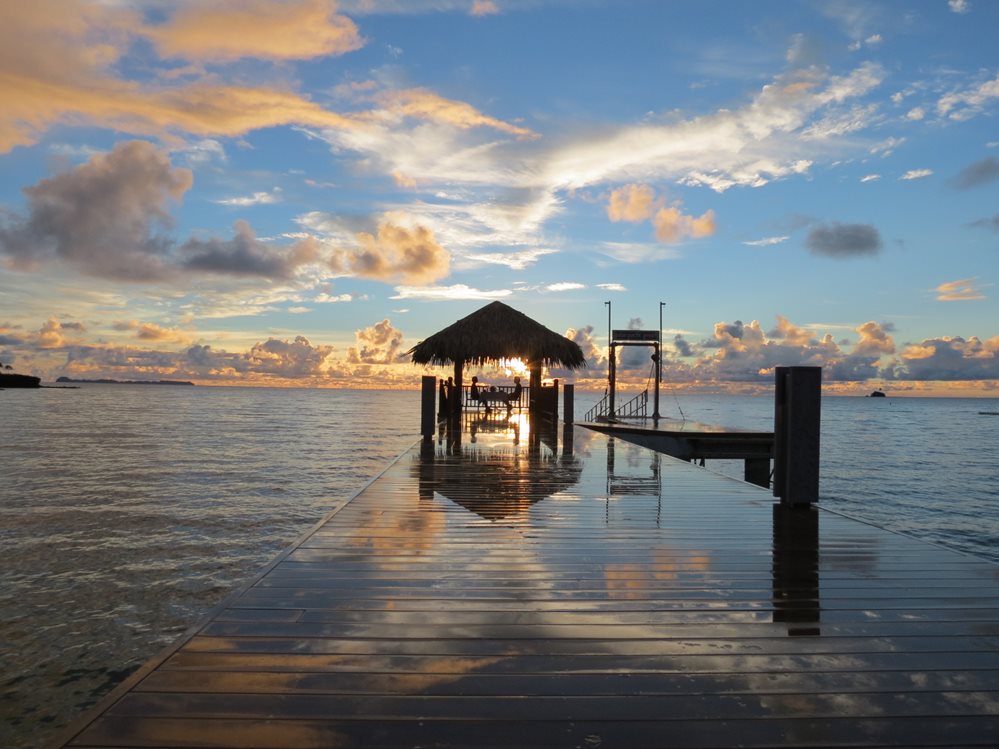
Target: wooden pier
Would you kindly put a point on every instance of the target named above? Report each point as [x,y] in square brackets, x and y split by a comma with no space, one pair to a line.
[573,590]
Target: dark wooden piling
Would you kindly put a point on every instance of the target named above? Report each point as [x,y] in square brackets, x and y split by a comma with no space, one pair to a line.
[797,417]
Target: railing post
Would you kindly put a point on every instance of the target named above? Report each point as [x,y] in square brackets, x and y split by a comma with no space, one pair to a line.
[568,398]
[427,420]
[797,416]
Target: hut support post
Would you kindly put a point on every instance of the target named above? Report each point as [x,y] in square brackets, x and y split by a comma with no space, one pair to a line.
[535,391]
[459,367]
[797,410]
[568,398]
[427,420]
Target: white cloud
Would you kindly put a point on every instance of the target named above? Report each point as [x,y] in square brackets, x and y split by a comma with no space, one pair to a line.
[513,260]
[916,174]
[766,241]
[634,252]
[564,286]
[611,287]
[257,198]
[457,291]
[959,6]
[870,178]
[962,105]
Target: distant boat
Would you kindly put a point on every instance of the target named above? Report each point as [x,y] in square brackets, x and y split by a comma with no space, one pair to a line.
[988,413]
[877,394]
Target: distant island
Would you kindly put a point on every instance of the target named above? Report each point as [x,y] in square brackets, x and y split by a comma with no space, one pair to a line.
[19,381]
[877,394]
[127,382]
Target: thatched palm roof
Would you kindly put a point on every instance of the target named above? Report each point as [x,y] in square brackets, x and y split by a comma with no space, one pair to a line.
[498,332]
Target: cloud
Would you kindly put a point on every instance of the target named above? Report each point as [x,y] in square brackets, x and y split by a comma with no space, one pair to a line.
[870,178]
[988,223]
[748,145]
[963,105]
[379,344]
[844,240]
[484,8]
[245,255]
[50,335]
[564,286]
[102,216]
[673,226]
[424,104]
[397,253]
[950,359]
[60,57]
[147,331]
[766,241]
[959,6]
[874,340]
[743,352]
[295,359]
[916,174]
[964,290]
[227,30]
[977,174]
[611,287]
[682,347]
[257,198]
[631,203]
[457,291]
[633,252]
[513,260]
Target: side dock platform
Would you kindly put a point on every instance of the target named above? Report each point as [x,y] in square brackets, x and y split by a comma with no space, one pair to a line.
[528,589]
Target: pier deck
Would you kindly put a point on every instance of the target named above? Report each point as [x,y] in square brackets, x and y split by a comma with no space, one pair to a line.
[579,593]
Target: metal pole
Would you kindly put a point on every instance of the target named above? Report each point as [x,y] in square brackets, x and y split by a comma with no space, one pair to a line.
[610,361]
[659,363]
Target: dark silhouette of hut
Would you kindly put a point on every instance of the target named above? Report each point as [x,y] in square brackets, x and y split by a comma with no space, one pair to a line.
[493,333]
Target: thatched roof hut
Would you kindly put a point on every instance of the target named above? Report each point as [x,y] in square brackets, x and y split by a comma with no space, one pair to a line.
[498,332]
[494,333]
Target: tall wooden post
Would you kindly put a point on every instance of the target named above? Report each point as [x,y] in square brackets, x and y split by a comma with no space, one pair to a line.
[797,417]
[459,368]
[427,420]
[568,404]
[535,388]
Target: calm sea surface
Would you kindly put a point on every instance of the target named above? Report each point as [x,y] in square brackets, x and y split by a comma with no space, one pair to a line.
[128,512]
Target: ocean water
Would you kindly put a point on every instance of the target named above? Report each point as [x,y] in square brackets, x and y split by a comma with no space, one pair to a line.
[128,512]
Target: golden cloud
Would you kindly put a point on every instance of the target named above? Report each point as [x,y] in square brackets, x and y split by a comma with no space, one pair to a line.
[484,8]
[673,226]
[631,203]
[263,29]
[423,104]
[396,253]
[964,290]
[56,60]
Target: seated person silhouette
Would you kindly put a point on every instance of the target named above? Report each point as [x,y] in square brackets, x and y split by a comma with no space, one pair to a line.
[514,397]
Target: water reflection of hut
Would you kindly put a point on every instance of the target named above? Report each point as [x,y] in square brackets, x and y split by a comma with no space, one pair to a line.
[496,483]
[495,333]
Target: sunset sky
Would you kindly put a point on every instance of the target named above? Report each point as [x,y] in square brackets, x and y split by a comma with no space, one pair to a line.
[296,193]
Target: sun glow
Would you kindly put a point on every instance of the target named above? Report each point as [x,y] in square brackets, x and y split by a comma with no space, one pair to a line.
[513,367]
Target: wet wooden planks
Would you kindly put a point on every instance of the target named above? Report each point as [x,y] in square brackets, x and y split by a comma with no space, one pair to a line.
[581,593]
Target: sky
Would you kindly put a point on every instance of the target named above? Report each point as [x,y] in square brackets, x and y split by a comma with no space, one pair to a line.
[257,192]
